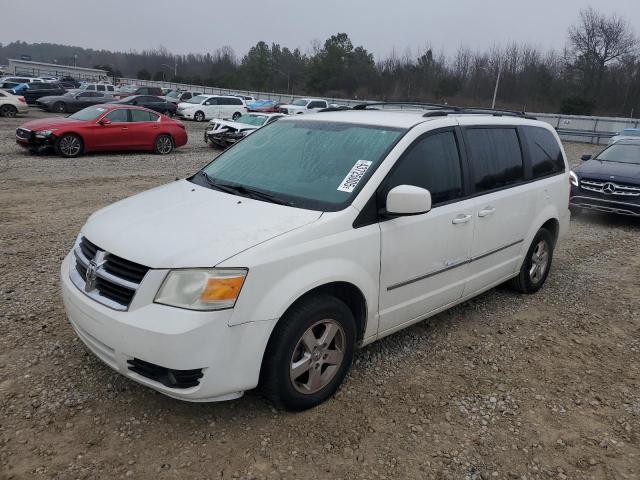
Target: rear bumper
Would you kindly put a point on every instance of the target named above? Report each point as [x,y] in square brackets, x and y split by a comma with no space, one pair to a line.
[607,205]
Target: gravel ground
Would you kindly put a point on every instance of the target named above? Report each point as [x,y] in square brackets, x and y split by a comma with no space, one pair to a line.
[502,387]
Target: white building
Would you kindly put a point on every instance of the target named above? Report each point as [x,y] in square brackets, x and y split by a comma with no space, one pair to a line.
[40,69]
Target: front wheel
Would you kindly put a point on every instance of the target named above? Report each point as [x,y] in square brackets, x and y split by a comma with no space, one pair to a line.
[199,117]
[59,107]
[309,353]
[69,145]
[536,265]
[8,111]
[163,145]
[236,116]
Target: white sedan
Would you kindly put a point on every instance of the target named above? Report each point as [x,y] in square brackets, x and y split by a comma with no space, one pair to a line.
[11,105]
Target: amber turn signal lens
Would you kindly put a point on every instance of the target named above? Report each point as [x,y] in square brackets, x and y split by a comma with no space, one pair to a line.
[221,289]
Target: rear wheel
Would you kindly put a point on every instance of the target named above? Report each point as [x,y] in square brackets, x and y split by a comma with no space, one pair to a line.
[8,111]
[536,265]
[163,145]
[199,117]
[69,145]
[59,107]
[309,353]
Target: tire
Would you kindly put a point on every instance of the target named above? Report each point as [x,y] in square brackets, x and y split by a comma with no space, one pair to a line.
[8,111]
[236,116]
[540,256]
[163,145]
[198,116]
[59,107]
[69,145]
[296,340]
[168,113]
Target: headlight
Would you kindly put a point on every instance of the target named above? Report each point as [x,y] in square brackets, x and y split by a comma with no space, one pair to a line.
[573,178]
[201,289]
[44,133]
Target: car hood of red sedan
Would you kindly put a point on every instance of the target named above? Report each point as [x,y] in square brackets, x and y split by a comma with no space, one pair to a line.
[47,123]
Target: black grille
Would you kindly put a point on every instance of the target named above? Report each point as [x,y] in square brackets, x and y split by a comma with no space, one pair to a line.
[116,266]
[122,268]
[166,376]
[23,133]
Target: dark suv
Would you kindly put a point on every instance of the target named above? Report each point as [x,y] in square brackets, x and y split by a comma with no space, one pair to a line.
[130,90]
[36,90]
[610,182]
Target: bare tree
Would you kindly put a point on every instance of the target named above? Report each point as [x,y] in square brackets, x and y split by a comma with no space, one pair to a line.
[597,41]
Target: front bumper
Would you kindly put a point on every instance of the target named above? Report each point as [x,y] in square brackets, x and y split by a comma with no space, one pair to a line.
[223,140]
[35,144]
[229,356]
[605,203]
[185,114]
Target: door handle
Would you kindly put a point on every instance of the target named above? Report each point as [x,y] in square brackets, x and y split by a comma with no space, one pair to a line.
[486,212]
[125,128]
[462,218]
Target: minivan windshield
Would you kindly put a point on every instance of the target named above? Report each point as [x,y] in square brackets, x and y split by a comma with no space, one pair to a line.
[621,153]
[312,164]
[300,103]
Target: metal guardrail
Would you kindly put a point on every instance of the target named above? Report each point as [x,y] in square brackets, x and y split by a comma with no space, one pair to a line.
[594,137]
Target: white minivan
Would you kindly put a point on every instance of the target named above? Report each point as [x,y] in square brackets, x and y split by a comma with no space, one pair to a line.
[206,107]
[313,236]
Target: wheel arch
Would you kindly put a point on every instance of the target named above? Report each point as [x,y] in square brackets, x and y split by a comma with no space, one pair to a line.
[77,134]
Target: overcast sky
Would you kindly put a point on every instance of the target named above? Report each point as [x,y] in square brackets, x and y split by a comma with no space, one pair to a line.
[380,25]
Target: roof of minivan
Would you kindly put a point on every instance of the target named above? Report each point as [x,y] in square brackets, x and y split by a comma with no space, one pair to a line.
[406,118]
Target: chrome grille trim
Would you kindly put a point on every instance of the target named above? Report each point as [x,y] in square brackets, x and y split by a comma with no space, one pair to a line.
[598,186]
[102,291]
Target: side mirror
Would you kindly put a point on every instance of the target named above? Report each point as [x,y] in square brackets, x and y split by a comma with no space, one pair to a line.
[408,200]
[586,157]
[104,121]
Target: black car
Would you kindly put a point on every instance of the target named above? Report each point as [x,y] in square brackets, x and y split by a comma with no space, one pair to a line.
[73,102]
[36,90]
[610,182]
[151,102]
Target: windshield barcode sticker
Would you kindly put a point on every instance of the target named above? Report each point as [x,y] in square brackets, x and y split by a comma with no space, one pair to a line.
[354,176]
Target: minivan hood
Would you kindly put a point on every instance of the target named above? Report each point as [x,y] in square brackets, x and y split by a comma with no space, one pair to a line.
[182,225]
[598,169]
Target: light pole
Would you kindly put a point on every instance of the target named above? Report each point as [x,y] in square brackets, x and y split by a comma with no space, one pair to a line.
[175,68]
[75,59]
[495,92]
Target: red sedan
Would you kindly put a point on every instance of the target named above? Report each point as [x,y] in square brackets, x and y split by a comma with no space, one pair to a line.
[107,127]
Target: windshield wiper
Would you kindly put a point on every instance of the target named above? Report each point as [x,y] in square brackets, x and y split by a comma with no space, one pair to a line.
[243,190]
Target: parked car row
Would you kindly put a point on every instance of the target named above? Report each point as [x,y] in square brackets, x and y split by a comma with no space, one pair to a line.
[108,127]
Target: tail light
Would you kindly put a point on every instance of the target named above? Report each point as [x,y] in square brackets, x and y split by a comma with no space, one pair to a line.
[21,99]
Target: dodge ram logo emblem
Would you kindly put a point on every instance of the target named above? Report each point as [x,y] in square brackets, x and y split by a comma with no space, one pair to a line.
[92,271]
[609,188]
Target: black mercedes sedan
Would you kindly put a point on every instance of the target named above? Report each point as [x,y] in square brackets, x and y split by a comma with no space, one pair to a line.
[151,102]
[72,102]
[610,182]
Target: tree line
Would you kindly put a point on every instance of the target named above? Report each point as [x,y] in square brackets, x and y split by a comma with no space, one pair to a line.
[597,72]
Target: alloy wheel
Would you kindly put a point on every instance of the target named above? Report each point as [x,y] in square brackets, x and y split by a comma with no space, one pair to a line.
[164,145]
[317,356]
[70,146]
[539,261]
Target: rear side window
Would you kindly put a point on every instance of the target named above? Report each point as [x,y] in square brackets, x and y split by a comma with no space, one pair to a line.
[496,157]
[143,116]
[433,162]
[101,88]
[546,155]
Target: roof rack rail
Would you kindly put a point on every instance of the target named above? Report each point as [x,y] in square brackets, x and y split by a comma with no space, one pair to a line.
[440,110]
[365,106]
